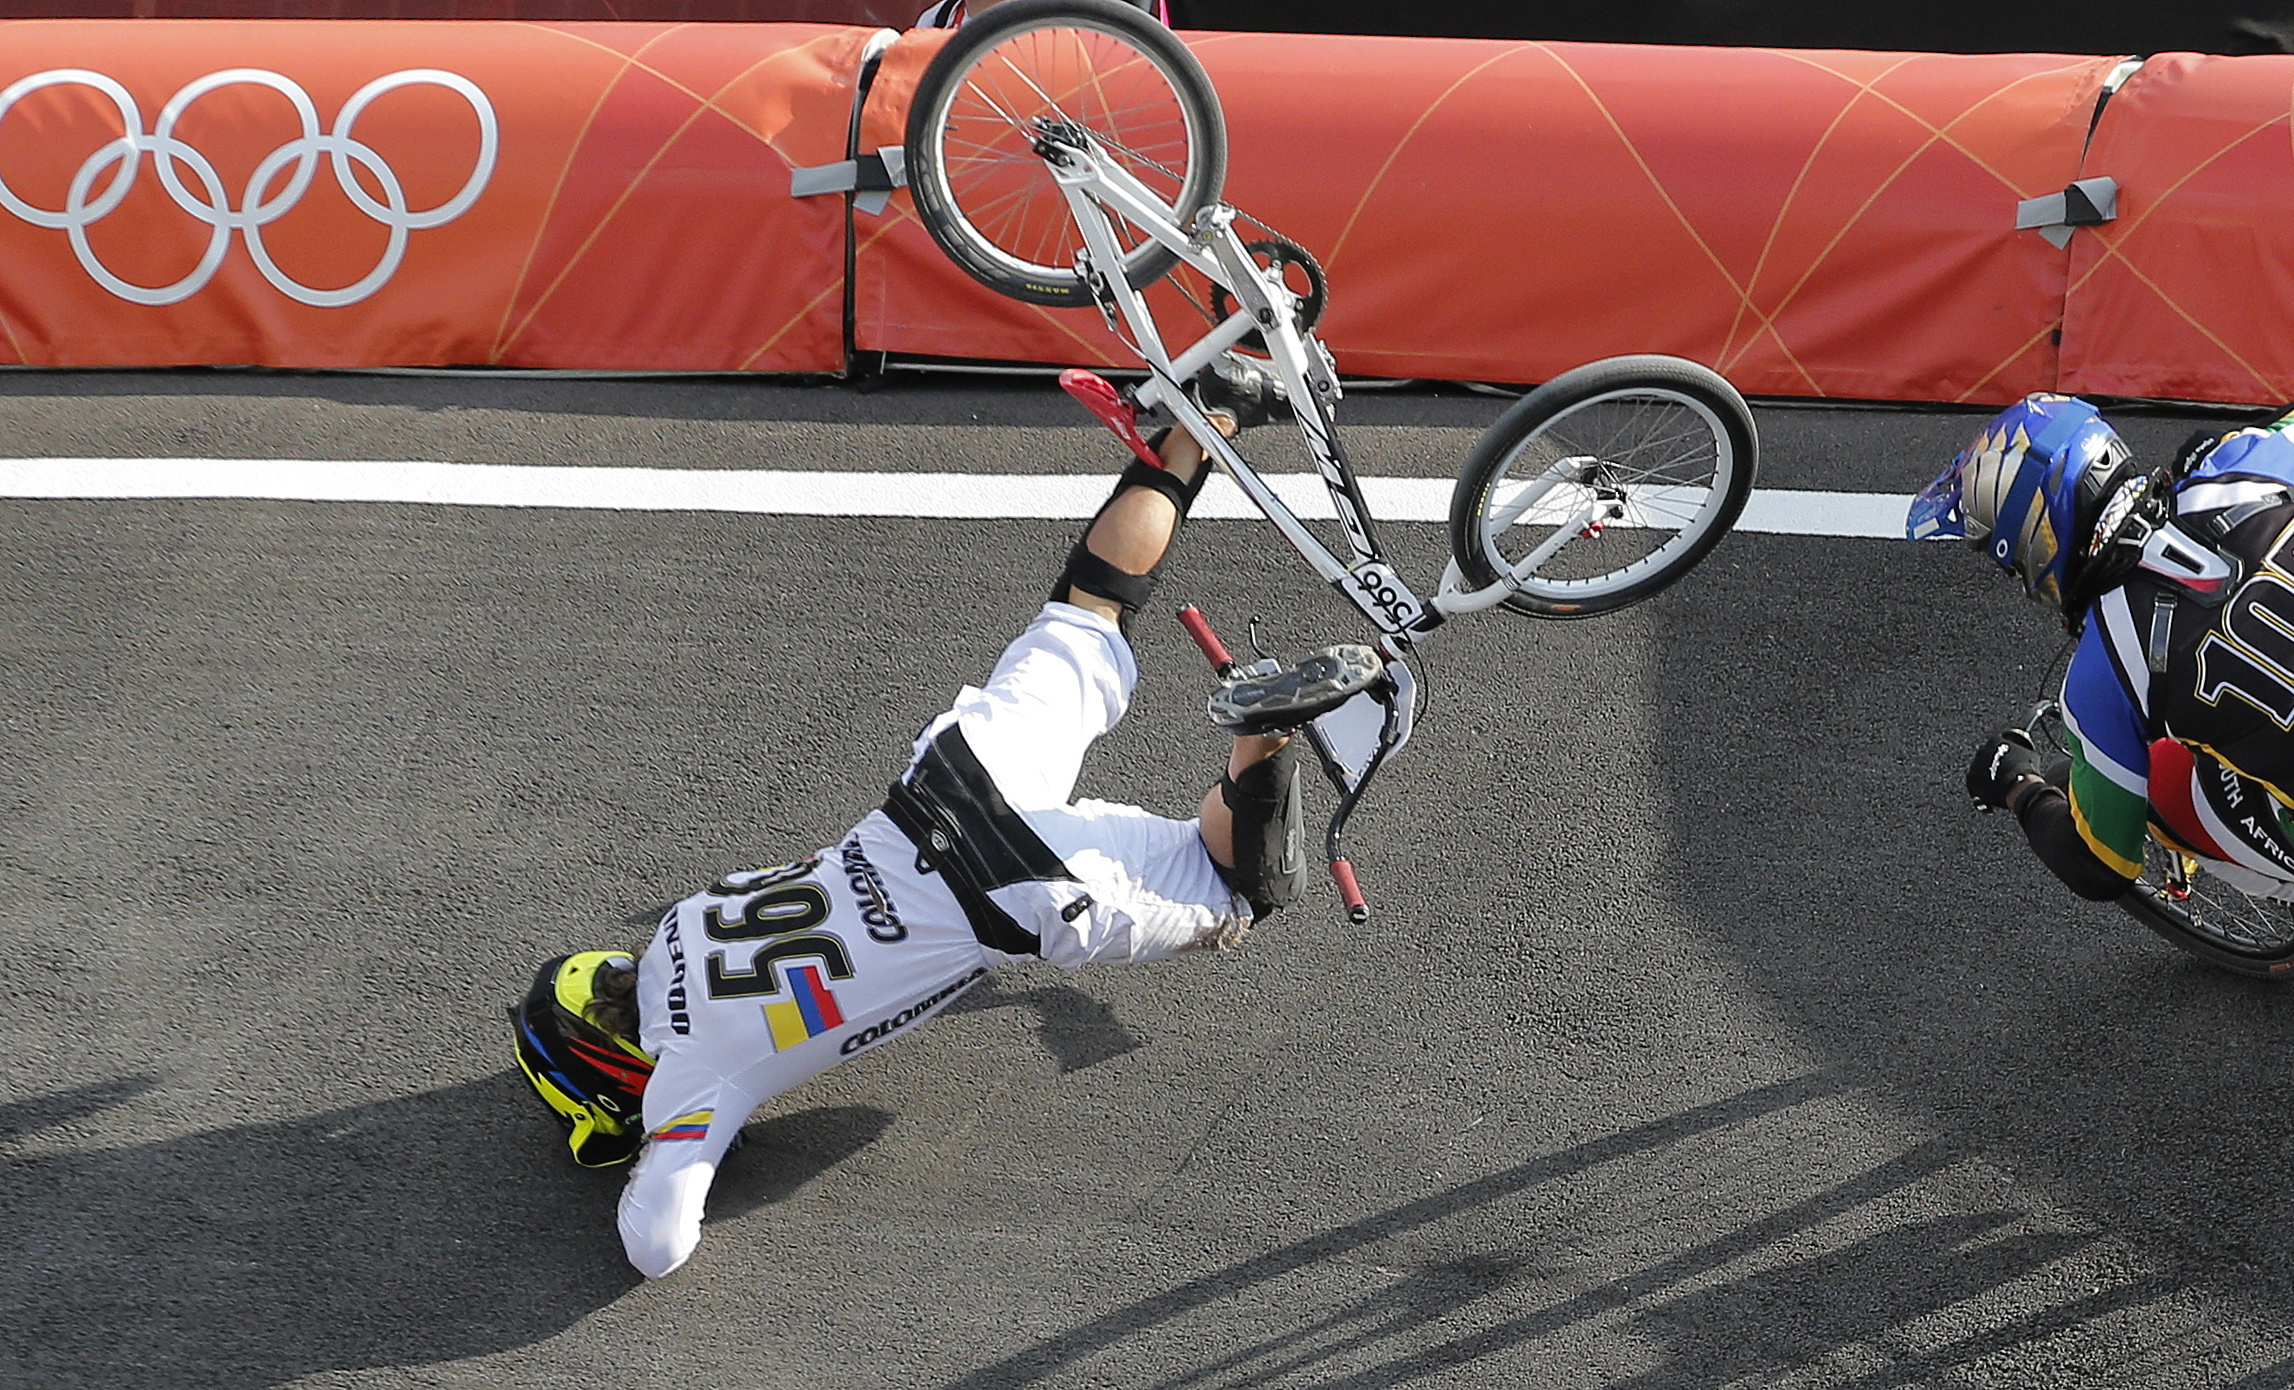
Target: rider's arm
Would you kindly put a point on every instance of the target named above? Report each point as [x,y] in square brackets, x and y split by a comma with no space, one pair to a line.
[690,1122]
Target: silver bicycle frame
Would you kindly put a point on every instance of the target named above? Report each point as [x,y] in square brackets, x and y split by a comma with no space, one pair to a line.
[1093,187]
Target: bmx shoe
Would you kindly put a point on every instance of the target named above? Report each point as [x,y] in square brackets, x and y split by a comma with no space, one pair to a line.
[1284,699]
[1243,388]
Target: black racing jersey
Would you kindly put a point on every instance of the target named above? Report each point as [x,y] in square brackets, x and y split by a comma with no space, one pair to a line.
[2180,708]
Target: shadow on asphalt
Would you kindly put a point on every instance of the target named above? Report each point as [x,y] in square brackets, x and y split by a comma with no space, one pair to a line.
[1076,1029]
[2055,1040]
[1773,1320]
[254,1255]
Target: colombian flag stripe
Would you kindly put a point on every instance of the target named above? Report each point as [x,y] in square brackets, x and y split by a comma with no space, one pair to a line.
[809,1012]
[692,1126]
[787,1022]
[807,991]
[820,1011]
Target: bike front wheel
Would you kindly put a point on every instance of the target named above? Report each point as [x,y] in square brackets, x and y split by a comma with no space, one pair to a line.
[2199,912]
[1658,451]
[1029,74]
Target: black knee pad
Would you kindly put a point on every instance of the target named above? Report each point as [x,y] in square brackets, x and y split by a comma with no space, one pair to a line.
[1270,831]
[1138,473]
[1100,579]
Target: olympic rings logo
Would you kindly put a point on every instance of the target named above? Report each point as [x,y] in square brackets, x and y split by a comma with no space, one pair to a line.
[258,204]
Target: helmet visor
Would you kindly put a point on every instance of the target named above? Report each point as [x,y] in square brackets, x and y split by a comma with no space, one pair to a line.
[1935,514]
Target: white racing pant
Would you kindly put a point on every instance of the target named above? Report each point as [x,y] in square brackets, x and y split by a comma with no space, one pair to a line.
[1150,884]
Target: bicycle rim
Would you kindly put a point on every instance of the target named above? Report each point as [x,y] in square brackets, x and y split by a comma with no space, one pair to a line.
[988,197]
[2210,919]
[1665,454]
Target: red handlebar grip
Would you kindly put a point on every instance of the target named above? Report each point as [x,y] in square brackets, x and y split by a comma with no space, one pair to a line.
[1199,628]
[1350,892]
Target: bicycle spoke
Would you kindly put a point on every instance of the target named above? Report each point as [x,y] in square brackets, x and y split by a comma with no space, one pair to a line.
[1010,118]
[1076,78]
[1651,456]
[1030,83]
[1003,218]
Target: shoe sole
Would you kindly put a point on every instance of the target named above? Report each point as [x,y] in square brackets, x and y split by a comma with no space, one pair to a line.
[1314,697]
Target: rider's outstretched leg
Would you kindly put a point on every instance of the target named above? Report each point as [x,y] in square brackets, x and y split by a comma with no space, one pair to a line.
[1254,823]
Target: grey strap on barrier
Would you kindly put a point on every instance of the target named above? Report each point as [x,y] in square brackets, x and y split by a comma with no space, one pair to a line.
[872,176]
[2085,203]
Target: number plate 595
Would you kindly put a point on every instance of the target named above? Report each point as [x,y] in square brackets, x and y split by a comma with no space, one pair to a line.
[1380,592]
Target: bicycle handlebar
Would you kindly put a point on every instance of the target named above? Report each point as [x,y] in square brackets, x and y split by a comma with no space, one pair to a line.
[1350,892]
[1199,628]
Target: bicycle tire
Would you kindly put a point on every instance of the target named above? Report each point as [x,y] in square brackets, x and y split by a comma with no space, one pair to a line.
[1608,413]
[983,192]
[2228,929]
[2196,911]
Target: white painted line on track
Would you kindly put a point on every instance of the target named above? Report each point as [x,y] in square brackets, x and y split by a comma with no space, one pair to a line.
[788,493]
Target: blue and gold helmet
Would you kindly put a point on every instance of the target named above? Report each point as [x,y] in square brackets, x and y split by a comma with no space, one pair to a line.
[591,1079]
[2048,491]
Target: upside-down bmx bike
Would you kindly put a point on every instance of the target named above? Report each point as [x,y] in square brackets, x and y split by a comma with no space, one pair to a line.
[1071,153]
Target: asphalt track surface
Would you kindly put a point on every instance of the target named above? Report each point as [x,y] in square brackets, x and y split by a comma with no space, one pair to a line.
[1703,1036]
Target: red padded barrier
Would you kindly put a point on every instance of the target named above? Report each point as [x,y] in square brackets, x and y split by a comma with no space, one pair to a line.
[1811,223]
[636,213]
[896,13]
[2188,293]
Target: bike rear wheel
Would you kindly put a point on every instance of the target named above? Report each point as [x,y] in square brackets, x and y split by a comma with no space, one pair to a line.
[1071,70]
[2213,921]
[2176,897]
[1669,442]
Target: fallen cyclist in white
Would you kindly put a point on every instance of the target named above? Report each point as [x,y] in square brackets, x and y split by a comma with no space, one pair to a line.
[978,857]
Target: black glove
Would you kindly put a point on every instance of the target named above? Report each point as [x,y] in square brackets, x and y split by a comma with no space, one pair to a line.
[2194,451]
[1999,764]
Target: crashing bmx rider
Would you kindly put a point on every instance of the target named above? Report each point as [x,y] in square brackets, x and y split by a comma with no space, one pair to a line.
[978,857]
[2179,583]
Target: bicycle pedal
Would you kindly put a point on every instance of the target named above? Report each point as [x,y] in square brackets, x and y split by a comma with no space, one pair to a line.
[1113,408]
